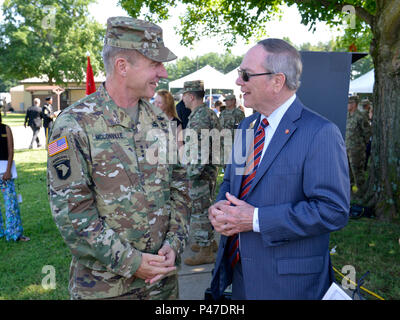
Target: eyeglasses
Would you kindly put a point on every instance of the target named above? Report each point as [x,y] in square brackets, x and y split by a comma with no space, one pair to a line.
[246,76]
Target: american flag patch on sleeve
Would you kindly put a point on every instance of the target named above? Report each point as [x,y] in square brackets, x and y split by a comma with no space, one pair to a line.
[57,146]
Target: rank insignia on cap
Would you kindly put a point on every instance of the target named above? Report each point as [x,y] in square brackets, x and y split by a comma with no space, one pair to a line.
[57,146]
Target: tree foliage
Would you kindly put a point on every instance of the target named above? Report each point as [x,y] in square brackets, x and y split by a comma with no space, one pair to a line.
[48,37]
[231,19]
[6,85]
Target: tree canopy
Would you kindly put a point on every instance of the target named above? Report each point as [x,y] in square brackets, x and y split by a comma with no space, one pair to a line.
[244,18]
[48,37]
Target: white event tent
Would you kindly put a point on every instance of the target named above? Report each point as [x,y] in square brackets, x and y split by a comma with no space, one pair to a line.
[213,79]
[363,84]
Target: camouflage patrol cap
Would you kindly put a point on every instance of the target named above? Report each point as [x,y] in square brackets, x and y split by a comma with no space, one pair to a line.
[143,36]
[230,97]
[365,102]
[196,85]
[353,99]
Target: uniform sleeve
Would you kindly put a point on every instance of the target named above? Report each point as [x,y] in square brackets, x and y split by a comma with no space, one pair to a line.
[180,209]
[221,119]
[241,116]
[193,146]
[366,129]
[73,204]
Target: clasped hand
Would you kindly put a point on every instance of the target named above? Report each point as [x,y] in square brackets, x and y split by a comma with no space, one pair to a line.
[231,216]
[155,267]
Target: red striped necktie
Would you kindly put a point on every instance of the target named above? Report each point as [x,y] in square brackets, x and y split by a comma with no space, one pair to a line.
[252,162]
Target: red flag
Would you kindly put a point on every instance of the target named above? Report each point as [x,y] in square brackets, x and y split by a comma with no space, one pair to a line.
[353,48]
[90,86]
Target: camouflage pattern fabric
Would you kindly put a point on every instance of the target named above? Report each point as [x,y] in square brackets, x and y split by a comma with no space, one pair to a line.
[109,203]
[193,86]
[143,36]
[230,119]
[358,133]
[202,176]
[166,289]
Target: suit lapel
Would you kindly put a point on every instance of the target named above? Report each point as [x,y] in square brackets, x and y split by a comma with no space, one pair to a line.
[281,136]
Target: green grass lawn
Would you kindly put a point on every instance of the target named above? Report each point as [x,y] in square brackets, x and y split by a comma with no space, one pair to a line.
[21,263]
[366,244]
[13,119]
[373,246]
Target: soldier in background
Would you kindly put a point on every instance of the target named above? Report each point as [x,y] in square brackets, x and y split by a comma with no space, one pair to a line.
[202,173]
[231,116]
[124,217]
[48,116]
[358,133]
[367,108]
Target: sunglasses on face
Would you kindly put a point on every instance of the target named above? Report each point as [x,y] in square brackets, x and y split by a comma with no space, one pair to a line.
[246,76]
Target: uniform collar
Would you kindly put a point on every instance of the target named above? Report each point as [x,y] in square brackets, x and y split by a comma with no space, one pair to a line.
[197,109]
[114,115]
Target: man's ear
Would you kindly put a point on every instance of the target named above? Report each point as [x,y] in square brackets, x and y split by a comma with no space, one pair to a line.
[278,82]
[120,66]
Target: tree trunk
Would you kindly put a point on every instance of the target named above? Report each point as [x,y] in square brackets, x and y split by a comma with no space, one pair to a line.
[384,172]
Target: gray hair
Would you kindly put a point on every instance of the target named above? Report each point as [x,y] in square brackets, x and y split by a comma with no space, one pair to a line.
[110,54]
[283,58]
[36,102]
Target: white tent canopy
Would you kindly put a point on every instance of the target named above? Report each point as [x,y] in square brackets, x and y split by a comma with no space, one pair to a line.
[213,79]
[231,78]
[363,84]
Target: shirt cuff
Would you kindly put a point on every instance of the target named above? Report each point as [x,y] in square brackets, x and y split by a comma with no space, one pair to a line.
[256,224]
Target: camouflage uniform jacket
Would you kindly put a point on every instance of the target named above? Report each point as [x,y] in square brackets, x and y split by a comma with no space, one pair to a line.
[108,202]
[230,119]
[203,118]
[358,131]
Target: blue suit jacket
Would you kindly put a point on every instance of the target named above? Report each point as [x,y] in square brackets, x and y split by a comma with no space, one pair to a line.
[302,190]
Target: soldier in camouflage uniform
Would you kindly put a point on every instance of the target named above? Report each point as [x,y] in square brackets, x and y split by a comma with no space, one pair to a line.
[231,116]
[124,218]
[202,173]
[358,133]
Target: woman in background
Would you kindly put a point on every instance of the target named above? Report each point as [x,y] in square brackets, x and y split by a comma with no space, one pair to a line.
[13,230]
[165,101]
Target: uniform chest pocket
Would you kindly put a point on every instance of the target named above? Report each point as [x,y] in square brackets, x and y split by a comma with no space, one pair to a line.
[153,167]
[112,170]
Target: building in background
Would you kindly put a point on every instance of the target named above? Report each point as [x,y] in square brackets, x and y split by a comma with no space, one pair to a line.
[23,94]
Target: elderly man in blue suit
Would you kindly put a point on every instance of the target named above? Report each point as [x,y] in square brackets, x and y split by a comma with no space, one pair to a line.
[276,208]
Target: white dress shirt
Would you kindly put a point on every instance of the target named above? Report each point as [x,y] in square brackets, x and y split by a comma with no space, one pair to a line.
[274,119]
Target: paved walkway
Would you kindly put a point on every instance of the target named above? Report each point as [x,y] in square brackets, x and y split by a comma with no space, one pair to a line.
[23,136]
[193,280]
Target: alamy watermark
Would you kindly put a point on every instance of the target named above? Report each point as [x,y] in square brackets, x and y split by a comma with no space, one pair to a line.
[199,147]
[49,21]
[49,280]
[350,18]
[349,281]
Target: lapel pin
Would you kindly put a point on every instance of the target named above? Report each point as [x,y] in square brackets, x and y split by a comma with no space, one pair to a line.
[287,131]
